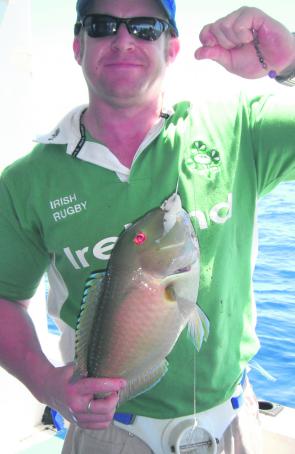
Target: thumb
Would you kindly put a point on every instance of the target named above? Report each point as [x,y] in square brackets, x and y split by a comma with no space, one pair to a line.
[69,372]
[72,373]
[215,53]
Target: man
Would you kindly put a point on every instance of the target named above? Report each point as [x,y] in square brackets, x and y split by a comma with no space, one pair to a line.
[63,206]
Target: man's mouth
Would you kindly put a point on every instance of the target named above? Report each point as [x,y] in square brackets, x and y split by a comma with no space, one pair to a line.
[124,64]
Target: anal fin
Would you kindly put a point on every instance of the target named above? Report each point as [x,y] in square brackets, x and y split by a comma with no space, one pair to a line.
[144,382]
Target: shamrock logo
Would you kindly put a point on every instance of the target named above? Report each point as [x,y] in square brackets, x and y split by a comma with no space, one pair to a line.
[204,159]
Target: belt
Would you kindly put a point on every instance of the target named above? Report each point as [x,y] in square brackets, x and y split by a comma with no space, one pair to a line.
[161,434]
[236,402]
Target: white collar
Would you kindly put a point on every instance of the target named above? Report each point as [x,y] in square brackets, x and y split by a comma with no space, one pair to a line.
[68,132]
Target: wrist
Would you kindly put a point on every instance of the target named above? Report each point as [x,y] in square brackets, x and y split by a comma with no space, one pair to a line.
[35,377]
[287,75]
[287,78]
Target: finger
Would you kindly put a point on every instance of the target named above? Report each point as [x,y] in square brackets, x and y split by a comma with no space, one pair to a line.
[242,34]
[83,392]
[236,34]
[91,386]
[221,32]
[102,413]
[103,406]
[247,18]
[217,53]
[86,418]
[206,37]
[222,36]
[95,426]
[88,405]
[235,28]
[88,421]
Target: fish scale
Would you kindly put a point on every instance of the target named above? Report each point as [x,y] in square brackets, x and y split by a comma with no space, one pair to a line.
[139,342]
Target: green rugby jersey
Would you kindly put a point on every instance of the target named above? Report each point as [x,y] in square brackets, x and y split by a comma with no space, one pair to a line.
[64,205]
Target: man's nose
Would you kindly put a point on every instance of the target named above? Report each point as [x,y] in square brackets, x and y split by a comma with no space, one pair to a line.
[122,40]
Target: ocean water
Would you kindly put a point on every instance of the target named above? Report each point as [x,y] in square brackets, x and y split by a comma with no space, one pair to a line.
[274,285]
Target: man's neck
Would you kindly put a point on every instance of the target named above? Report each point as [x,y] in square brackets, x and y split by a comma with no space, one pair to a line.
[122,130]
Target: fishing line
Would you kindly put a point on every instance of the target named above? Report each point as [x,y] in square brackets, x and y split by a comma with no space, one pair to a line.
[180,160]
[191,432]
[195,425]
[195,394]
[177,183]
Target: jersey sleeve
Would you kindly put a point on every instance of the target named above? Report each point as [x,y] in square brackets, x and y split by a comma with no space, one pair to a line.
[23,257]
[273,128]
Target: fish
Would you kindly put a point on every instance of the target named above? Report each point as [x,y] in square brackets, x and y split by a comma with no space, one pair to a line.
[133,313]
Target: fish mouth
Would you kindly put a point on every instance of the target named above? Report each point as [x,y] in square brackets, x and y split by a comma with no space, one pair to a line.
[184,269]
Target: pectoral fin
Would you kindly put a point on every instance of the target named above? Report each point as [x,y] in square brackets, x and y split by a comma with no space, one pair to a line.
[198,327]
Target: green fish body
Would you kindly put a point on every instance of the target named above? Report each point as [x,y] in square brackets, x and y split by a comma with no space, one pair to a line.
[132,315]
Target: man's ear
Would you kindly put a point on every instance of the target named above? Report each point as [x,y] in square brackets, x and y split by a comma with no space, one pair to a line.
[77,48]
[173,49]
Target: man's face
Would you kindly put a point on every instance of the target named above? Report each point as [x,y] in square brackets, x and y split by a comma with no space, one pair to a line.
[122,69]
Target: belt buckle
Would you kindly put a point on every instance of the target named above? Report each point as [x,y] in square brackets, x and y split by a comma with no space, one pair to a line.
[188,437]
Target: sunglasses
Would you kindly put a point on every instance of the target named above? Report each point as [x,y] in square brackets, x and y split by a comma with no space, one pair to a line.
[147,28]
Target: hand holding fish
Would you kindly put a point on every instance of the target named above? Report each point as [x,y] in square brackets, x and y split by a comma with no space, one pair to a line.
[229,42]
[74,400]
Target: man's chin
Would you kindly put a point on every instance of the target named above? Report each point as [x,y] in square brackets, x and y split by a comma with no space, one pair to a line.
[126,102]
[127,96]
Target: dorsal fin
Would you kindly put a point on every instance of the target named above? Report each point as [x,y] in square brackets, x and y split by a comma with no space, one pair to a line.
[92,291]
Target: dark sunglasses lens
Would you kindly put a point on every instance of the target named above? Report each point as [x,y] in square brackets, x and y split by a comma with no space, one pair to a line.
[148,29]
[98,27]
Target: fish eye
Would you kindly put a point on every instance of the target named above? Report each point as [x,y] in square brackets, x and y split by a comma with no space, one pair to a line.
[140,238]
